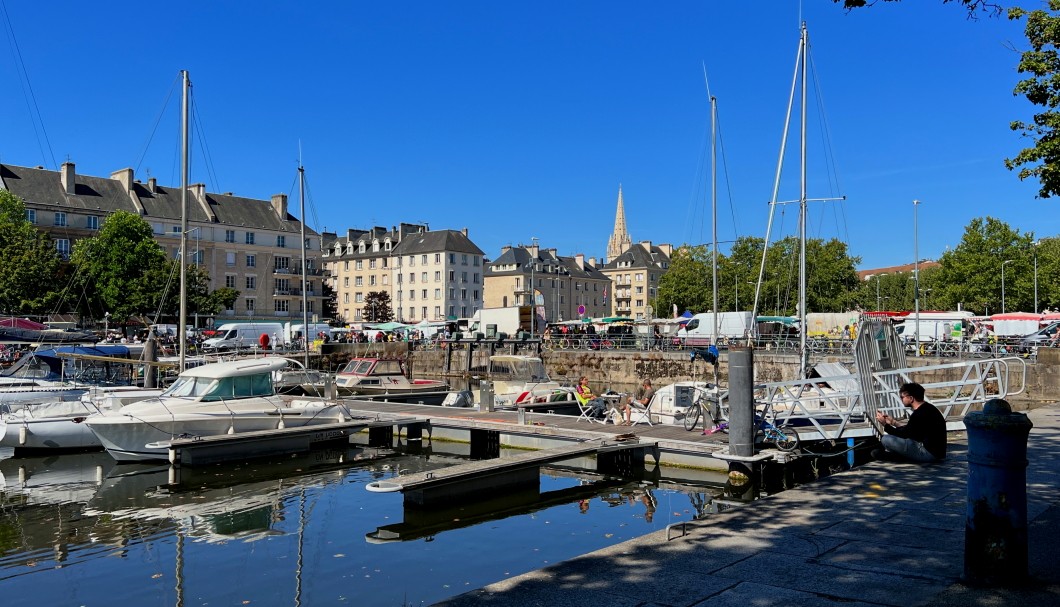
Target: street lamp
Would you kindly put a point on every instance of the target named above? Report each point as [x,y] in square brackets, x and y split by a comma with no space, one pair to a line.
[916,276]
[1003,264]
[533,304]
[1036,243]
[877,292]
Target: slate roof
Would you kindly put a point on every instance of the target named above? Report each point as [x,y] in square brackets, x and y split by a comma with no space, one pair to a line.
[450,241]
[41,186]
[567,266]
[637,256]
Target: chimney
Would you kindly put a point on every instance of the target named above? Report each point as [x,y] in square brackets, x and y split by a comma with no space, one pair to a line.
[464,232]
[535,250]
[279,204]
[125,176]
[505,249]
[67,176]
[580,260]
[152,185]
[668,249]
[592,261]
[552,252]
[646,244]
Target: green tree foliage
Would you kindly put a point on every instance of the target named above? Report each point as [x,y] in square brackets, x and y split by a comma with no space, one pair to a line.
[1041,160]
[30,267]
[123,268]
[973,6]
[970,276]
[377,307]
[687,283]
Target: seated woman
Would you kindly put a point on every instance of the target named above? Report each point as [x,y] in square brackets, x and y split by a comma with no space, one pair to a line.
[585,395]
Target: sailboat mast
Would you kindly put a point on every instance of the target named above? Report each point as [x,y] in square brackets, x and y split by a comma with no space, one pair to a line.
[803,350]
[305,283]
[183,323]
[714,205]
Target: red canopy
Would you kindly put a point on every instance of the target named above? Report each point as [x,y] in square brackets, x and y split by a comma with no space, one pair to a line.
[22,323]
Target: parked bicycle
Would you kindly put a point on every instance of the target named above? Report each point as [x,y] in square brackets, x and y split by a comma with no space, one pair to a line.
[784,437]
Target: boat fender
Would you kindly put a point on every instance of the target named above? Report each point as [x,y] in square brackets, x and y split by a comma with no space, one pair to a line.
[383,487]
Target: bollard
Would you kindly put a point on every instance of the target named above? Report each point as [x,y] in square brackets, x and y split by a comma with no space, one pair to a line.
[995,535]
[485,396]
[741,401]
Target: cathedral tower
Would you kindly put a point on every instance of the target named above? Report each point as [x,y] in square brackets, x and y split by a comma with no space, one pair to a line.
[620,240]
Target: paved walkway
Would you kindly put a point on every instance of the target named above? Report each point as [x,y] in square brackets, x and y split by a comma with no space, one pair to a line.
[881,534]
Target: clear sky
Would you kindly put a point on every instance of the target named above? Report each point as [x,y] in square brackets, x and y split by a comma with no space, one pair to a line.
[520,119]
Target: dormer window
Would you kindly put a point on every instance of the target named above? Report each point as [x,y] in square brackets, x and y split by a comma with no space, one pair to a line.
[360,247]
[387,245]
[375,245]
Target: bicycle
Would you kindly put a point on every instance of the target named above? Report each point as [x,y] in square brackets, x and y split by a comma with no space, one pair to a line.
[784,438]
[698,408]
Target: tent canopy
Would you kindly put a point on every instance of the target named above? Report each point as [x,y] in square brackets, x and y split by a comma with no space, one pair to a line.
[387,326]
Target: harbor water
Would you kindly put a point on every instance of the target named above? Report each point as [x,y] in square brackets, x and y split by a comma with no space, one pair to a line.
[81,530]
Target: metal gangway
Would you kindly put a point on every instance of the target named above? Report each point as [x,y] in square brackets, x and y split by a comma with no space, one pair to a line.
[834,403]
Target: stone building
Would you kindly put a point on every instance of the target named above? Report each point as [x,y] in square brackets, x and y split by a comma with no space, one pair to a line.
[247,244]
[432,275]
[568,288]
[635,276]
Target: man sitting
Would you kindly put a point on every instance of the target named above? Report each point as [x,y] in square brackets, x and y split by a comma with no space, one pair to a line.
[641,398]
[922,438]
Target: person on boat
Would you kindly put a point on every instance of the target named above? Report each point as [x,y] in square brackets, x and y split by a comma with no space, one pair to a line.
[640,400]
[585,394]
[922,438]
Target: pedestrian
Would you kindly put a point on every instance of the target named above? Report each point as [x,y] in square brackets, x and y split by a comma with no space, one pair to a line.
[640,400]
[922,438]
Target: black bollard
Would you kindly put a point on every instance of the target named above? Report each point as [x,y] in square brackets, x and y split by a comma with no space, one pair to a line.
[743,472]
[995,536]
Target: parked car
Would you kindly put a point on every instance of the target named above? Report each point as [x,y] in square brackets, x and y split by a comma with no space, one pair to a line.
[1045,336]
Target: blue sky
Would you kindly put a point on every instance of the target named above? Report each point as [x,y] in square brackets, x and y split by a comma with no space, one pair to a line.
[520,120]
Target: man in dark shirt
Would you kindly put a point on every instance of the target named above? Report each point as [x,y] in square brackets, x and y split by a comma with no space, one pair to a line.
[923,437]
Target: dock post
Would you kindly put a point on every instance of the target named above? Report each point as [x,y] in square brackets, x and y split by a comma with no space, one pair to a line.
[995,532]
[485,444]
[743,473]
[485,396]
[151,371]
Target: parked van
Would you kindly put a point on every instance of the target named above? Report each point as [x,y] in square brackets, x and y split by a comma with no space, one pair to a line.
[236,336]
[934,326]
[291,330]
[700,329]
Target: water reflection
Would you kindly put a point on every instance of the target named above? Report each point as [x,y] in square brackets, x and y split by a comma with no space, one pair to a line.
[74,528]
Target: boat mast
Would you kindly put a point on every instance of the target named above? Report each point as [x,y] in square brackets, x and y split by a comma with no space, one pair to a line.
[183,323]
[714,209]
[803,351]
[305,296]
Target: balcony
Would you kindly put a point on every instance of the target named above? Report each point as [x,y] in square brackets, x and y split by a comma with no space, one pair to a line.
[281,270]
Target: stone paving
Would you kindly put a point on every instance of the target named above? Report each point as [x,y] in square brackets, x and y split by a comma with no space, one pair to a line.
[880,534]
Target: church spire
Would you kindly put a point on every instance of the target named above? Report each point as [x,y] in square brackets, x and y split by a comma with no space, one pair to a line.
[620,240]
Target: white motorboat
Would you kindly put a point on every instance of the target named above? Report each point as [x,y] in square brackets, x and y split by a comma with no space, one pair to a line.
[370,376]
[62,373]
[58,425]
[213,399]
[519,379]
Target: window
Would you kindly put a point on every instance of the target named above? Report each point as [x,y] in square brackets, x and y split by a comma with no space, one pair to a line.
[640,277]
[375,246]
[412,313]
[437,277]
[283,263]
[282,305]
[230,281]
[176,229]
[252,282]
[345,266]
[463,310]
[371,280]
[437,311]
[92,222]
[423,295]
[452,259]
[463,293]
[437,258]
[463,277]
[358,281]
[250,240]
[358,297]
[423,259]
[356,314]
[452,293]
[412,278]
[386,263]
[60,219]
[281,241]
[452,276]
[230,235]
[437,293]
[230,260]
[359,264]
[423,277]
[360,247]
[640,290]
[386,279]
[31,215]
[345,298]
[63,246]
[371,264]
[249,304]
[475,295]
[475,279]
[423,312]
[412,295]
[412,261]
[252,261]
[463,260]
[475,259]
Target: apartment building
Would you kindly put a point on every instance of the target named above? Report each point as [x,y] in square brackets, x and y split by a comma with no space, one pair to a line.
[251,245]
[635,276]
[429,275]
[567,288]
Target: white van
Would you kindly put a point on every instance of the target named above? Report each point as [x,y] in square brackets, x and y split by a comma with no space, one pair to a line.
[315,329]
[700,329]
[235,336]
[934,326]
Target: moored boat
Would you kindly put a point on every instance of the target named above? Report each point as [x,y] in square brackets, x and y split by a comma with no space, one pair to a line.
[370,376]
[209,400]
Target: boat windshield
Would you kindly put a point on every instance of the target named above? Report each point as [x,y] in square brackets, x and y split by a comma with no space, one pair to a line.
[225,388]
[535,370]
[387,367]
[357,367]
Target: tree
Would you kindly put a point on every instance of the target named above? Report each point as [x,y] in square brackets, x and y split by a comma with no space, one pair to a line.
[377,307]
[122,267]
[1041,160]
[970,276]
[687,283]
[30,271]
[973,6]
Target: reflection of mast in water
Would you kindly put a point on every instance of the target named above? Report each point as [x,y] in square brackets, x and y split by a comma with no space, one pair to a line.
[180,566]
[298,566]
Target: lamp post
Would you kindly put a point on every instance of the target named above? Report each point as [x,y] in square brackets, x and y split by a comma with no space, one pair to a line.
[533,304]
[877,292]
[1036,243]
[1003,264]
[916,276]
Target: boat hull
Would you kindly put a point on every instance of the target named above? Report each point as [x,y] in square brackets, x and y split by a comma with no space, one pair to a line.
[146,438]
[48,434]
